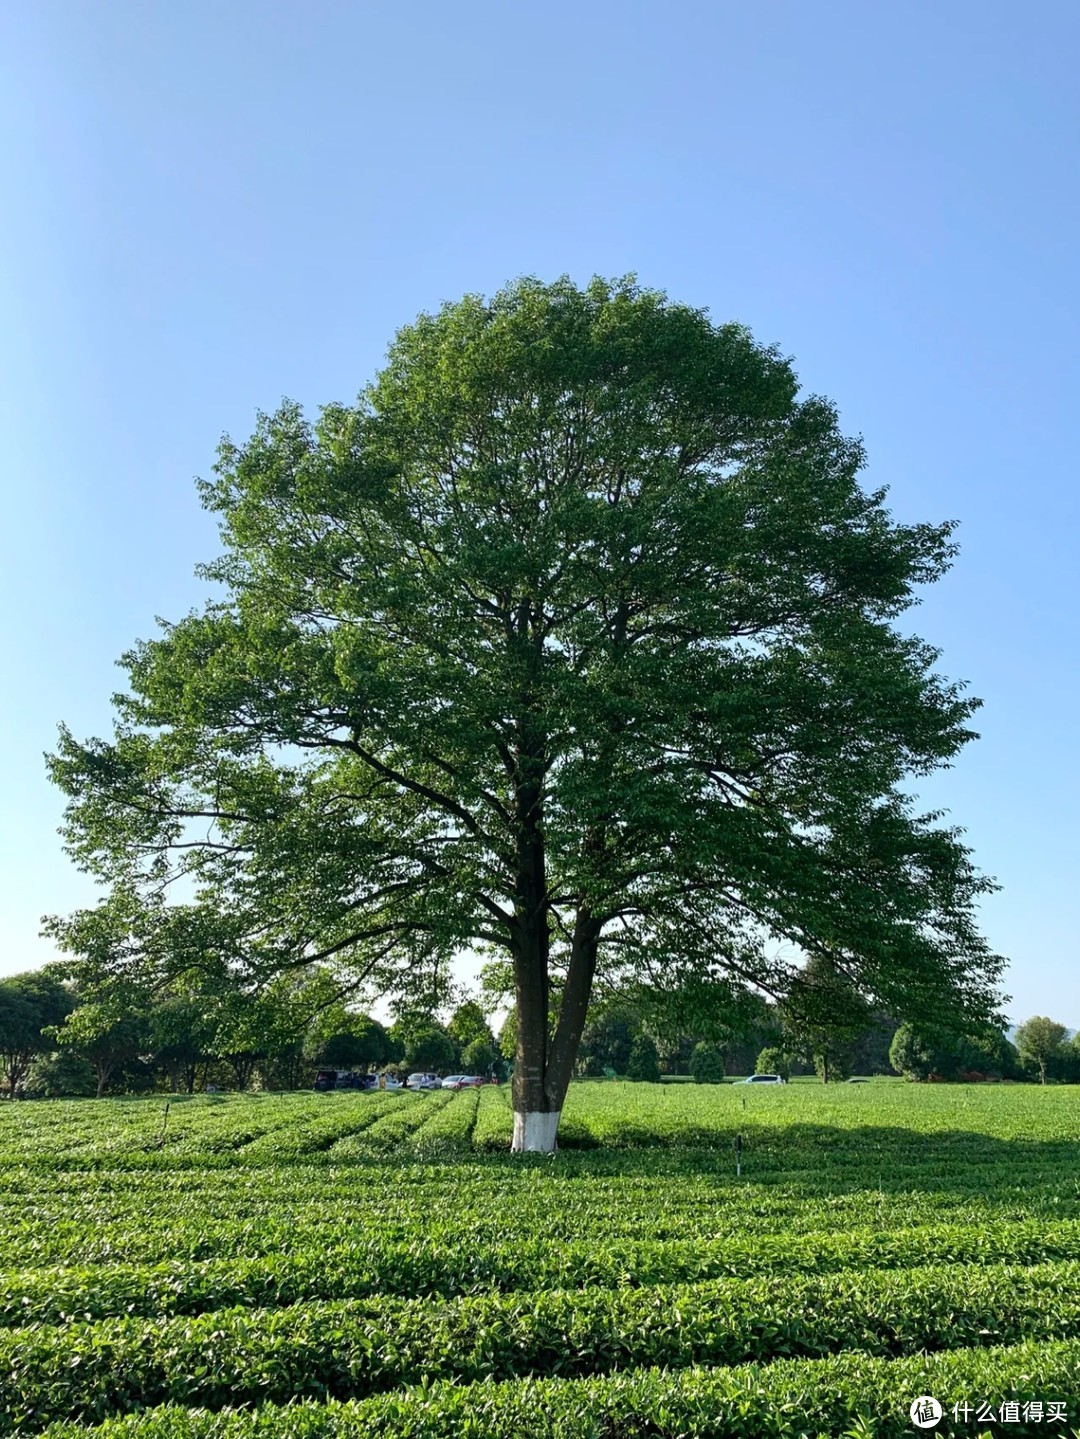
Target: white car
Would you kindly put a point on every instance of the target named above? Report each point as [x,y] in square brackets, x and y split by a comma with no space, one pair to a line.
[454,1081]
[423,1081]
[763,1079]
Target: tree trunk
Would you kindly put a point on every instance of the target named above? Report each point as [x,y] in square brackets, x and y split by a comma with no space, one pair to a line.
[18,1068]
[103,1069]
[544,1061]
[544,1066]
[535,1122]
[537,1101]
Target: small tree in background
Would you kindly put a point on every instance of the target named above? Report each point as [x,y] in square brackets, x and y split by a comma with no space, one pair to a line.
[922,1052]
[987,1053]
[644,1061]
[1039,1041]
[426,1044]
[773,1061]
[355,1041]
[608,1038]
[106,1033]
[179,1036]
[29,1005]
[823,1013]
[912,1053]
[468,1024]
[508,1037]
[707,1063]
[479,1057]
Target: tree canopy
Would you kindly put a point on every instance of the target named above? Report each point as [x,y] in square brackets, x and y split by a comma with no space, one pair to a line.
[30,1004]
[1039,1040]
[571,641]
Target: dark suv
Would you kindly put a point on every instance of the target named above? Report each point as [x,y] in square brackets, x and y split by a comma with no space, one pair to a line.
[344,1079]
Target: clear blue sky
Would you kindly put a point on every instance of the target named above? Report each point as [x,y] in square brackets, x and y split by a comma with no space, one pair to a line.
[206,207]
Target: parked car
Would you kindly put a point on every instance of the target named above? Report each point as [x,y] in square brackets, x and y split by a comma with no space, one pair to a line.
[344,1079]
[763,1079]
[473,1081]
[392,1083]
[454,1081]
[423,1081]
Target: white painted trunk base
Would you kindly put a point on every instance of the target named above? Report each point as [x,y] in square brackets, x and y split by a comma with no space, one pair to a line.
[534,1132]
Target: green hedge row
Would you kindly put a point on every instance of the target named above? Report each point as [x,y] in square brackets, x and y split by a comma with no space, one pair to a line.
[849,1394]
[255,1210]
[380,1264]
[347,1350]
[149,1217]
[448,1130]
[407,1113]
[318,1133]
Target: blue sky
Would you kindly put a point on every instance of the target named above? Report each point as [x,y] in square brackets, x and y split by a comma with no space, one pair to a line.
[208,207]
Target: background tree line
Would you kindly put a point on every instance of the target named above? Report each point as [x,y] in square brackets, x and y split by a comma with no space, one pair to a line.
[821,1026]
[60,1034]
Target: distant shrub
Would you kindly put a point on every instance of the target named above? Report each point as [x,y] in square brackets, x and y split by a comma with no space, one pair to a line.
[60,1076]
[773,1061]
[644,1061]
[478,1057]
[706,1063]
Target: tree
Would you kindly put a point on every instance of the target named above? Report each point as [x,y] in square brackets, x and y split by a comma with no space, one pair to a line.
[60,1076]
[773,1061]
[571,642]
[871,1047]
[468,1026]
[179,1037]
[479,1057]
[987,1053]
[644,1061]
[608,1038]
[107,1032]
[30,1004]
[823,1013]
[912,1053]
[707,1063]
[508,1037]
[426,1044]
[928,1051]
[1066,1064]
[356,1042]
[1040,1040]
[246,1028]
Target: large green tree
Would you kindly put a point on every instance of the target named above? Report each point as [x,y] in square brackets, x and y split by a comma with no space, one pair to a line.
[571,641]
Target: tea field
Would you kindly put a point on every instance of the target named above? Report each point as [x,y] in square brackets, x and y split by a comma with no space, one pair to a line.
[332,1265]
